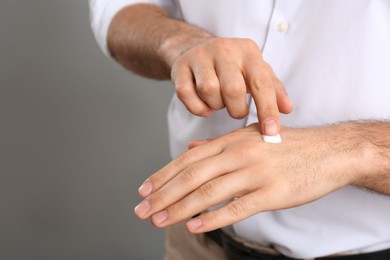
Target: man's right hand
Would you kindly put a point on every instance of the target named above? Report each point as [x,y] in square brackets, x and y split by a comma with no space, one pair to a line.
[209,73]
[218,72]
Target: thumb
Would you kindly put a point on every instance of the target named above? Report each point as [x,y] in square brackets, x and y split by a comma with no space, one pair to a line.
[284,103]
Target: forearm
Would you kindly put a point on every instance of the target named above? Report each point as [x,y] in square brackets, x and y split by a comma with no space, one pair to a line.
[146,40]
[372,140]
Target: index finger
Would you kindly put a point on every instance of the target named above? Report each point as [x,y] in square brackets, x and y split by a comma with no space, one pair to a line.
[260,80]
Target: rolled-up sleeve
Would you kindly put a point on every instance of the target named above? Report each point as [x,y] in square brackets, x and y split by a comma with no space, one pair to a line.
[102,12]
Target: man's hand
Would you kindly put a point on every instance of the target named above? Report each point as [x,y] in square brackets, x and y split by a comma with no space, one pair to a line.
[209,73]
[216,73]
[307,165]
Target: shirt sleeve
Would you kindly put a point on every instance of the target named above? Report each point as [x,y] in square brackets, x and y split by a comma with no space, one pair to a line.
[102,12]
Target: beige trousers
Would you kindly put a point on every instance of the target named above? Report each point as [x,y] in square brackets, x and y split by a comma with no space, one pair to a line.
[182,245]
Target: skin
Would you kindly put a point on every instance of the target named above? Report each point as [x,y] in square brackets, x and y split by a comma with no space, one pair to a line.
[309,164]
[209,73]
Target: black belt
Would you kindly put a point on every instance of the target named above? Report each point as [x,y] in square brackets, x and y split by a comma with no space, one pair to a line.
[237,251]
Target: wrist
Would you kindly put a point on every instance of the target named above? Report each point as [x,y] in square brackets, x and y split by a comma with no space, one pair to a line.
[368,160]
[175,44]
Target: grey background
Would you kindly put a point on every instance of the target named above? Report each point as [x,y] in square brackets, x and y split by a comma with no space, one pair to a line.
[78,135]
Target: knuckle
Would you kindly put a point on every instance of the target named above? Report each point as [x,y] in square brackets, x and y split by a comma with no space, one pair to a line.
[247,42]
[209,190]
[208,86]
[250,45]
[158,199]
[189,175]
[184,159]
[183,91]
[236,208]
[220,43]
[177,210]
[261,83]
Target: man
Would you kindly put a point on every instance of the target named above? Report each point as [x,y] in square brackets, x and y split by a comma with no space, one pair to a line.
[324,190]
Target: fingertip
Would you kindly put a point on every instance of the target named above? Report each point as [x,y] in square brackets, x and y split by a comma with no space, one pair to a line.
[190,145]
[159,218]
[207,114]
[270,126]
[142,209]
[290,106]
[285,105]
[145,189]
[193,225]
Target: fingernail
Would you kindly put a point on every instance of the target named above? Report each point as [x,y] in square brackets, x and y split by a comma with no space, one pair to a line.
[194,224]
[160,217]
[270,127]
[145,189]
[142,208]
[207,113]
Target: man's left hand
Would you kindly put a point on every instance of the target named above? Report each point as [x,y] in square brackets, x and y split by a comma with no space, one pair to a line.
[309,164]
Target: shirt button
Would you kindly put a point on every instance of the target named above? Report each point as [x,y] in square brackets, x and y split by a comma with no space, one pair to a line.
[282,26]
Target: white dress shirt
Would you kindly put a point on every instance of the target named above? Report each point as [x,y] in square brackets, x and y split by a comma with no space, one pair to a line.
[334,59]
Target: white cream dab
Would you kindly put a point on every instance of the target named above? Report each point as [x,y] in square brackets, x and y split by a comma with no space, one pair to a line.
[272,139]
